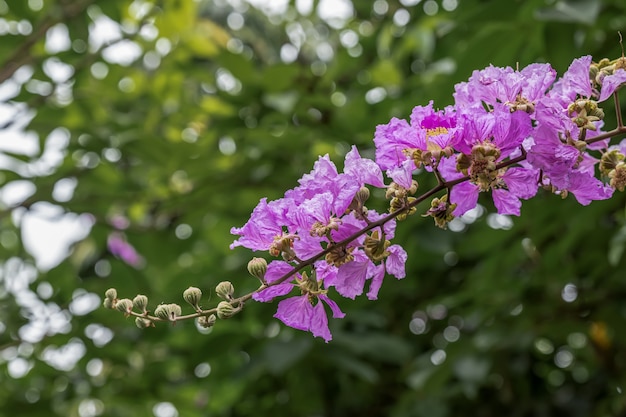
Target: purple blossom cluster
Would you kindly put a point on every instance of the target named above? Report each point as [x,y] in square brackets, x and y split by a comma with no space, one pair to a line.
[509,133]
[324,209]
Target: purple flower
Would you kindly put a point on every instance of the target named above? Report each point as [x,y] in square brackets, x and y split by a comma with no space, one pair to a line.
[499,127]
[304,312]
[574,83]
[611,83]
[352,276]
[265,226]
[120,248]
[564,120]
[519,90]
[426,139]
[364,171]
[308,313]
[488,139]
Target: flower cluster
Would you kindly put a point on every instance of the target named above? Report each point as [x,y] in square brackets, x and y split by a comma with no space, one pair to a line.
[322,215]
[509,133]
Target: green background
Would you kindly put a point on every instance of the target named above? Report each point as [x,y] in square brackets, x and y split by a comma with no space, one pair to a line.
[517,318]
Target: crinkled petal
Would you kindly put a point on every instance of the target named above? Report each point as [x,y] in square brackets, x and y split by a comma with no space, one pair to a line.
[390,140]
[270,293]
[319,322]
[465,196]
[315,209]
[522,182]
[351,278]
[506,202]
[510,130]
[307,246]
[378,275]
[325,272]
[403,174]
[337,313]
[259,232]
[395,262]
[276,270]
[364,170]
[612,82]
[539,77]
[587,188]
[295,312]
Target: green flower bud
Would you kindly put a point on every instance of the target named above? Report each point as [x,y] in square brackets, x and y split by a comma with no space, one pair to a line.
[207,322]
[124,305]
[225,290]
[168,312]
[142,323]
[111,294]
[225,310]
[108,303]
[193,296]
[140,303]
[257,268]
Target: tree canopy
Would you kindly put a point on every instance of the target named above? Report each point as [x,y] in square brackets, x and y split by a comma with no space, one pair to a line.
[160,125]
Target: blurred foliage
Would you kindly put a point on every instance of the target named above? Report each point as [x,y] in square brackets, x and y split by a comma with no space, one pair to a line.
[180,115]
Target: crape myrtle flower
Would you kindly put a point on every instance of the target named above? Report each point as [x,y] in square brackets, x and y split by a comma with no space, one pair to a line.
[312,216]
[268,228]
[565,118]
[489,138]
[425,141]
[611,83]
[518,90]
[312,208]
[342,186]
[304,311]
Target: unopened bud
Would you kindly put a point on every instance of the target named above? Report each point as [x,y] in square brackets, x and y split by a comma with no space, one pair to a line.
[108,303]
[111,294]
[207,322]
[193,296]
[257,268]
[225,310]
[168,312]
[124,305]
[140,303]
[362,195]
[142,323]
[225,290]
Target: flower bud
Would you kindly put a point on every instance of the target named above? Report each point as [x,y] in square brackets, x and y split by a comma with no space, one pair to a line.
[168,312]
[362,195]
[257,268]
[193,296]
[111,294]
[124,305]
[108,303]
[140,303]
[207,322]
[225,310]
[225,290]
[142,323]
